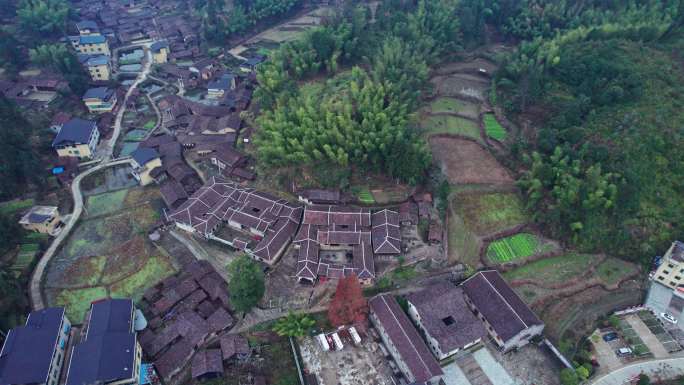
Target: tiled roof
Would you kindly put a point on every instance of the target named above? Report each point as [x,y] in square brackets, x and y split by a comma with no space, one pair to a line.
[446,316]
[410,346]
[207,362]
[499,304]
[233,344]
[386,233]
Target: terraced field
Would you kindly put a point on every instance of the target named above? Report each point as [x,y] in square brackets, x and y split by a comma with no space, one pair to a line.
[493,128]
[454,125]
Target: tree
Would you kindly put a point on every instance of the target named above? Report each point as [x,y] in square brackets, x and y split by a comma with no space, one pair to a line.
[10,232]
[568,377]
[60,58]
[644,379]
[43,18]
[294,325]
[348,306]
[12,59]
[246,283]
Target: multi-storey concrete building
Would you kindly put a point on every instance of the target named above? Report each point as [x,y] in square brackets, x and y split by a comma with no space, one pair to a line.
[671,270]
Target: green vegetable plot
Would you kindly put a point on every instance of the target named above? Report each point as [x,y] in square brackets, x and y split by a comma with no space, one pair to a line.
[513,247]
[493,128]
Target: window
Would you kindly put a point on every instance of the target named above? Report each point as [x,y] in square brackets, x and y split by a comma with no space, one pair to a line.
[677,278]
[61,340]
[661,278]
[670,265]
[448,320]
[673,283]
[666,271]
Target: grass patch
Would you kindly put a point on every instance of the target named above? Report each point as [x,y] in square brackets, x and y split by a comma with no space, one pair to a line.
[35,237]
[514,247]
[491,212]
[553,270]
[442,124]
[463,244]
[105,203]
[150,124]
[155,269]
[493,128]
[365,196]
[612,270]
[28,248]
[12,207]
[23,261]
[77,301]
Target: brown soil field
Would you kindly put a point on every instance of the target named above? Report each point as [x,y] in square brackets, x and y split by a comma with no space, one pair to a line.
[466,162]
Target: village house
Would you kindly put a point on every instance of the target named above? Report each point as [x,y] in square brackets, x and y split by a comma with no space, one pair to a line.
[98,67]
[207,364]
[42,219]
[58,121]
[92,44]
[671,270]
[319,197]
[100,99]
[508,320]
[77,138]
[145,160]
[204,68]
[337,241]
[267,223]
[408,350]
[218,87]
[251,64]
[87,27]
[160,52]
[445,320]
[109,352]
[34,353]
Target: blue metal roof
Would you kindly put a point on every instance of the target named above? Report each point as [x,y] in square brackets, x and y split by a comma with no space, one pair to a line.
[222,83]
[102,93]
[144,155]
[157,45]
[108,352]
[27,352]
[92,39]
[97,60]
[75,131]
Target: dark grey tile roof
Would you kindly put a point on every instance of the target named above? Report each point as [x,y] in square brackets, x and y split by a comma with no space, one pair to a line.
[75,131]
[27,350]
[207,362]
[446,316]
[405,338]
[499,304]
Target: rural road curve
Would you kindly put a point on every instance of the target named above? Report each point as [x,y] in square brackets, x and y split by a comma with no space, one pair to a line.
[109,149]
[661,369]
[39,271]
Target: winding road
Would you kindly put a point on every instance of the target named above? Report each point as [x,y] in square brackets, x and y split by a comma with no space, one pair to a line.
[661,369]
[36,295]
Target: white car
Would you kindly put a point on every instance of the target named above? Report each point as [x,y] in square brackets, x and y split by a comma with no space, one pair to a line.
[668,318]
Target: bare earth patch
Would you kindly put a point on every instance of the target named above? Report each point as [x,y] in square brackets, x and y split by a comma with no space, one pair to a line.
[466,162]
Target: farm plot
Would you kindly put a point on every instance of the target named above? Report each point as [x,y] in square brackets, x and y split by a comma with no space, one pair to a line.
[105,203]
[454,125]
[554,270]
[489,213]
[511,248]
[493,128]
[465,86]
[466,162]
[464,246]
[108,255]
[454,106]
[612,270]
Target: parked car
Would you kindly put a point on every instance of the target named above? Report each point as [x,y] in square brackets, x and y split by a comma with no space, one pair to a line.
[623,352]
[610,336]
[668,318]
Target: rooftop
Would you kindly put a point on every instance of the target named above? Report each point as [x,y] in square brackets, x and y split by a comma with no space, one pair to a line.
[75,131]
[446,316]
[91,39]
[27,352]
[499,304]
[39,214]
[102,93]
[405,338]
[144,155]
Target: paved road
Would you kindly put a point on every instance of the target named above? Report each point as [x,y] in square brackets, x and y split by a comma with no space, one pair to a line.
[36,279]
[147,64]
[662,369]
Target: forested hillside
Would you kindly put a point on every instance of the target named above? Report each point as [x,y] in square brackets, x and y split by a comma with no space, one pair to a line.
[363,120]
[602,85]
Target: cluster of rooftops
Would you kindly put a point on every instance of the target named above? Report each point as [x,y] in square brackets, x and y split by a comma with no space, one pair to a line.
[452,318]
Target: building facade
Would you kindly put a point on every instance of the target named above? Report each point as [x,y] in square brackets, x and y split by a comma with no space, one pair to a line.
[42,219]
[35,353]
[671,270]
[91,44]
[100,99]
[77,138]
[144,161]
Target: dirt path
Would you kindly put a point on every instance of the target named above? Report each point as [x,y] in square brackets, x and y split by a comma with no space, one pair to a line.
[37,276]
